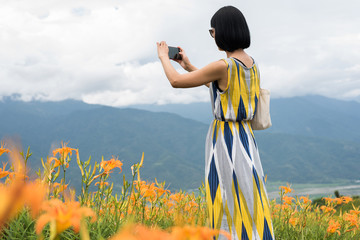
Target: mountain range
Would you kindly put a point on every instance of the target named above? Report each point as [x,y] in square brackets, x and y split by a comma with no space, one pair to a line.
[313,139]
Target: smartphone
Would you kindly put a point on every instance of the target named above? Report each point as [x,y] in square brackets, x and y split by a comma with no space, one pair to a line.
[174,53]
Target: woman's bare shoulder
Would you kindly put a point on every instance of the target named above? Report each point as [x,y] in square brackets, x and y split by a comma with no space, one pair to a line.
[219,65]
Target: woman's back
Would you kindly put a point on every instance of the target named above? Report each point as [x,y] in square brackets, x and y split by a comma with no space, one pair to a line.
[234,178]
[239,100]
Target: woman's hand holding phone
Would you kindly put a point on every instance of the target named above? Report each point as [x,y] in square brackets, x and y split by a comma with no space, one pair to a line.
[184,61]
[162,49]
[163,52]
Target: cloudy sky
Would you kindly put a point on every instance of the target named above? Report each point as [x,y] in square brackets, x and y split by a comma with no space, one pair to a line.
[104,51]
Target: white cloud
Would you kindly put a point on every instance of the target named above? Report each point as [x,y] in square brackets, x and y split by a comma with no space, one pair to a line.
[105,52]
[143,84]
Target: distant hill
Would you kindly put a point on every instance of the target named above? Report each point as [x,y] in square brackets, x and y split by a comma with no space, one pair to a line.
[315,116]
[170,152]
[174,145]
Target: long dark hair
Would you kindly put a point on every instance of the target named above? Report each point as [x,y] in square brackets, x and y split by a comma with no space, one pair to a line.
[231,29]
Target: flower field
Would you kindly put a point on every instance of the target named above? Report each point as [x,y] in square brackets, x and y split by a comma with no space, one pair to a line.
[43,207]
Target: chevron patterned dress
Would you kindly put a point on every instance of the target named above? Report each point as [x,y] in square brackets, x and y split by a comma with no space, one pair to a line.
[235,186]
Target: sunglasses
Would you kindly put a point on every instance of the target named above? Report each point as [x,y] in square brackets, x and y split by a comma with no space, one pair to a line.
[212,32]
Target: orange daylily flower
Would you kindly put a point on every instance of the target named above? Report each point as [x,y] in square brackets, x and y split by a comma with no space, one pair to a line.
[161,191]
[57,162]
[63,215]
[288,200]
[353,219]
[3,149]
[102,184]
[327,209]
[148,190]
[357,212]
[140,185]
[328,200]
[305,199]
[334,226]
[64,151]
[190,205]
[110,165]
[168,203]
[286,189]
[338,201]
[60,187]
[293,221]
[346,199]
[4,173]
[177,197]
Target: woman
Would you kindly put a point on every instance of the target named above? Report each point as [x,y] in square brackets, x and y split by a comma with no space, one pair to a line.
[235,187]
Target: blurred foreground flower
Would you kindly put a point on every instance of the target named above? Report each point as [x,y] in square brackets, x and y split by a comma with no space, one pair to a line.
[19,192]
[196,233]
[62,216]
[139,232]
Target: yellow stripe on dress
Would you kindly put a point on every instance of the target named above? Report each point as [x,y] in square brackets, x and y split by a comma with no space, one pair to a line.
[266,207]
[237,214]
[258,211]
[251,131]
[225,95]
[208,200]
[245,214]
[235,88]
[244,90]
[228,216]
[218,209]
[215,127]
[253,80]
[215,210]
[241,215]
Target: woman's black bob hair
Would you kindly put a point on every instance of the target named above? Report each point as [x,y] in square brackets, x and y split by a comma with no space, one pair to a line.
[231,29]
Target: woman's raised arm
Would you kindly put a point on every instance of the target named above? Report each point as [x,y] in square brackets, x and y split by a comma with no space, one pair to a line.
[212,72]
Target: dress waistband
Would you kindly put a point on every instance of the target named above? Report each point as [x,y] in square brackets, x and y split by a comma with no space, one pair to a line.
[220,120]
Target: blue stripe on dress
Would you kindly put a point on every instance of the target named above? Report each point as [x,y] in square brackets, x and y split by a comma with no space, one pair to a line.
[267,232]
[214,91]
[244,235]
[256,101]
[215,134]
[244,139]
[228,139]
[213,179]
[236,189]
[241,111]
[222,116]
[258,185]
